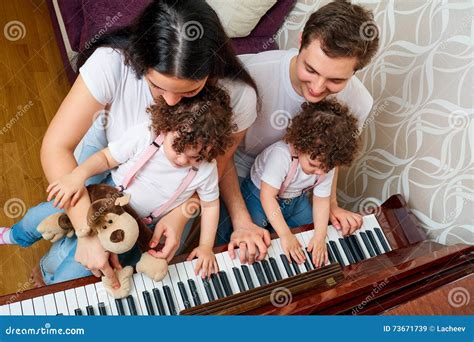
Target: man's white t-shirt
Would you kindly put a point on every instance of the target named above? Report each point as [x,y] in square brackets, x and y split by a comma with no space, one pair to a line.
[158,179]
[273,165]
[115,84]
[280,102]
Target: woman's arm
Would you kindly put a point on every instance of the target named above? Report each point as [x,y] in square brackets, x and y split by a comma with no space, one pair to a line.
[68,127]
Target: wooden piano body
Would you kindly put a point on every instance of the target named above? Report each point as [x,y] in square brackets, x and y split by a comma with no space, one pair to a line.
[415,277]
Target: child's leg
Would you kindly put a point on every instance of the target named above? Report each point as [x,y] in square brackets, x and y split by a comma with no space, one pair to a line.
[24,232]
[299,212]
[251,196]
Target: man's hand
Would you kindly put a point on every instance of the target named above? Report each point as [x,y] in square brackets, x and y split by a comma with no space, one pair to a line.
[95,258]
[250,238]
[344,220]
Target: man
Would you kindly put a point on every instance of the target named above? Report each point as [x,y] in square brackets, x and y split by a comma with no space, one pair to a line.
[338,40]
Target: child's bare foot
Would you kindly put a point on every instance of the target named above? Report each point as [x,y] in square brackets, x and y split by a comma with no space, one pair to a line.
[36,277]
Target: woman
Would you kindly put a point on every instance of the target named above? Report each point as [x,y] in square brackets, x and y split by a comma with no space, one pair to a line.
[171,50]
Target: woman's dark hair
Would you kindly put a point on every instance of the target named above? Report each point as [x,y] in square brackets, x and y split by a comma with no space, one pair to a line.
[327,131]
[180,38]
[204,120]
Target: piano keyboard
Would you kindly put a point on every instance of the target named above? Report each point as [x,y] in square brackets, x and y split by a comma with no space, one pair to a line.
[181,289]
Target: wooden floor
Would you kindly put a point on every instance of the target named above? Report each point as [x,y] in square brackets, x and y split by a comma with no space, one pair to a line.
[32,86]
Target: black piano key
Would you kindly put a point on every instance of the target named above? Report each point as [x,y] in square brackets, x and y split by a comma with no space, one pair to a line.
[355,247]
[338,255]
[310,257]
[78,312]
[259,272]
[159,302]
[286,264]
[381,239]
[248,277]
[119,305]
[207,287]
[131,305]
[295,266]
[217,286]
[225,283]
[148,303]
[184,295]
[331,257]
[367,244]
[90,310]
[359,247]
[60,314]
[276,271]
[238,278]
[371,237]
[352,249]
[307,262]
[169,300]
[194,292]
[268,271]
[346,251]
[102,310]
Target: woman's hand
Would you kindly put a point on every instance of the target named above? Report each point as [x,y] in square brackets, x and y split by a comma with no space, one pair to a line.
[292,247]
[206,261]
[317,247]
[69,187]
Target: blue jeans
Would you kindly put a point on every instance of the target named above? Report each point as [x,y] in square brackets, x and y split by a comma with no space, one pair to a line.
[296,211]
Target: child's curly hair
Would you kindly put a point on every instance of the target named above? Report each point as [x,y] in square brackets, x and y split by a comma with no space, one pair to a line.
[327,131]
[204,120]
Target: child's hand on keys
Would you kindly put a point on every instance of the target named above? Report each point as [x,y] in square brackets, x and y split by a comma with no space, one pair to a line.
[317,247]
[292,247]
[68,187]
[206,261]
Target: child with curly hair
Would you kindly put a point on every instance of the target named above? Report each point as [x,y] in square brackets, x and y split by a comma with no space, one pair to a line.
[185,139]
[322,136]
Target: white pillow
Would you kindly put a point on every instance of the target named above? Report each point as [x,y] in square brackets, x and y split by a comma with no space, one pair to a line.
[240,17]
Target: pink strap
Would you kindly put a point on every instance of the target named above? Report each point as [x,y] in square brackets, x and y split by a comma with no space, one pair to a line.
[291,175]
[144,158]
[183,186]
[4,230]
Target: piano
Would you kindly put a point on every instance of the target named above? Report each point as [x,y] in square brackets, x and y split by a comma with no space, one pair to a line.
[385,266]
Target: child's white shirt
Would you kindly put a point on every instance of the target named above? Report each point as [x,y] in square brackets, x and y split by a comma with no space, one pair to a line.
[273,165]
[158,179]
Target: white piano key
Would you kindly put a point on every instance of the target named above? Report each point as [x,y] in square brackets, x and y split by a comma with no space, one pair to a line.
[91,294]
[174,277]
[183,276]
[4,310]
[15,309]
[334,236]
[167,282]
[71,300]
[134,294]
[253,275]
[50,305]
[228,265]
[188,265]
[277,248]
[38,304]
[275,254]
[61,303]
[374,223]
[302,241]
[362,244]
[27,307]
[82,299]
[159,285]
[103,297]
[201,284]
[228,271]
[149,286]
[138,280]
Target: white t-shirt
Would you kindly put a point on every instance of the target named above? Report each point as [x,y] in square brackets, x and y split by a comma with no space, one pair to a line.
[158,179]
[280,102]
[273,165]
[115,84]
